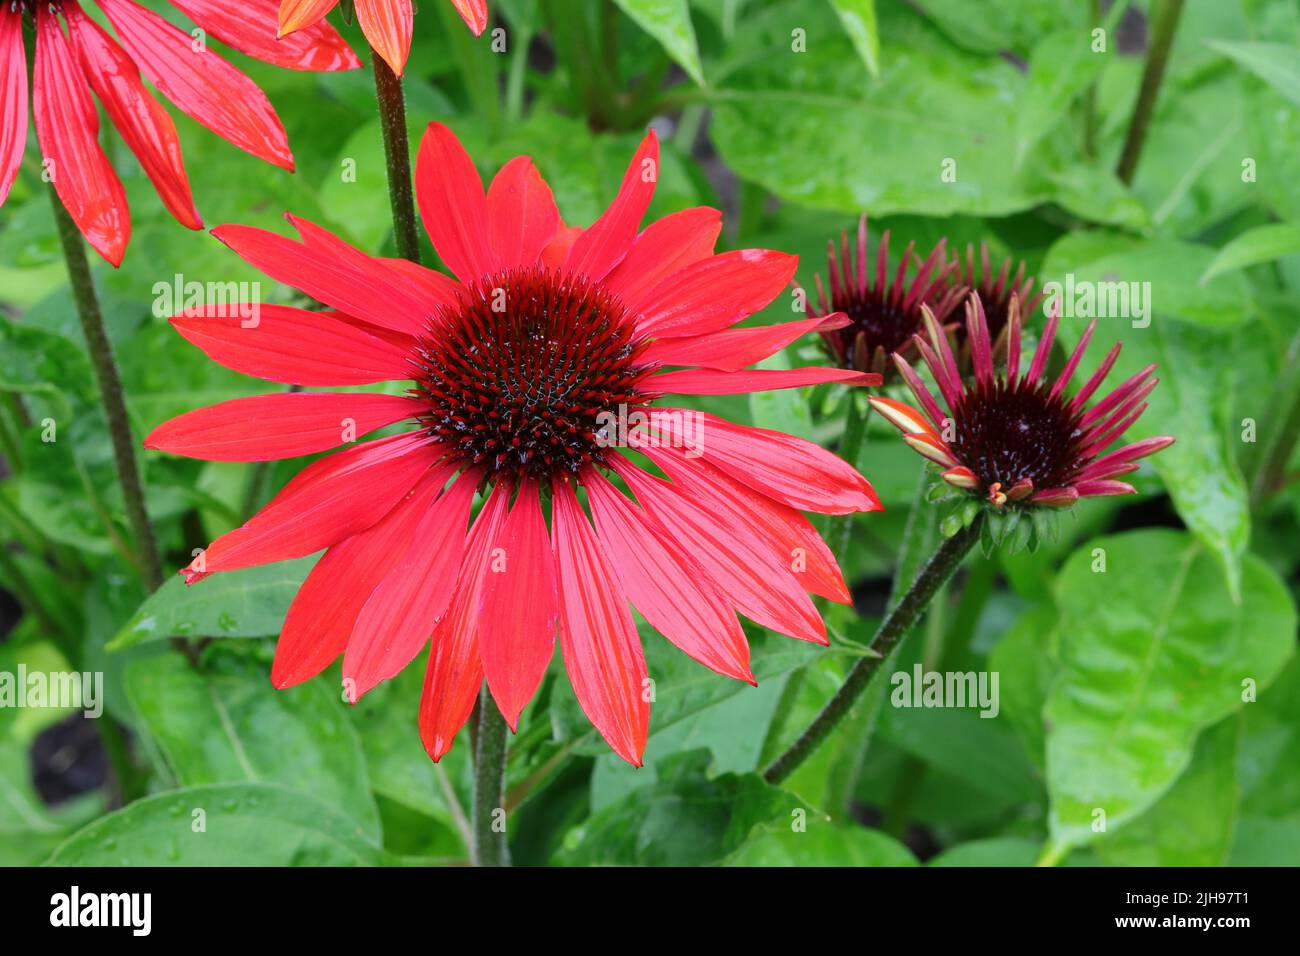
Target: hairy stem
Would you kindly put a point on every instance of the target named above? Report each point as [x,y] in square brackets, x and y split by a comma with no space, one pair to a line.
[490,846]
[1164,24]
[110,390]
[397,153]
[937,571]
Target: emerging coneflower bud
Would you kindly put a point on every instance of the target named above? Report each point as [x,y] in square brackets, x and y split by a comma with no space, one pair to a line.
[884,314]
[1019,443]
[999,293]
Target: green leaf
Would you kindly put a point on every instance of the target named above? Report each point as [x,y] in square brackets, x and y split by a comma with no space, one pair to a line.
[998,851]
[859,20]
[1261,244]
[669,22]
[234,726]
[1024,657]
[820,843]
[243,824]
[1277,64]
[1061,67]
[685,819]
[1153,650]
[1193,823]
[250,602]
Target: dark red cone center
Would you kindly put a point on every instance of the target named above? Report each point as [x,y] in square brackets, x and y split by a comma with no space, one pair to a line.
[1009,433]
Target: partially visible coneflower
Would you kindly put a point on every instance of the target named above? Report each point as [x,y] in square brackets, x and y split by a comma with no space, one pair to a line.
[387,24]
[884,311]
[999,292]
[1019,441]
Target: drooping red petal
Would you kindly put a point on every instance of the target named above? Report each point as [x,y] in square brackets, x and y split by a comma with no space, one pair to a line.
[200,83]
[322,504]
[324,611]
[708,381]
[740,564]
[607,241]
[664,248]
[716,293]
[13,97]
[399,617]
[299,14]
[142,121]
[474,13]
[669,589]
[454,673]
[453,206]
[387,24]
[602,651]
[522,218]
[795,542]
[735,349]
[67,127]
[251,27]
[339,276]
[520,606]
[267,427]
[787,469]
[293,346]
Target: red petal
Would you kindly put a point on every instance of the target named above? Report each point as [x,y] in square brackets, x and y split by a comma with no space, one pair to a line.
[607,241]
[1099,488]
[454,673]
[741,564]
[434,288]
[707,381]
[664,248]
[795,543]
[474,13]
[669,589]
[299,14]
[520,606]
[337,275]
[788,469]
[557,250]
[400,615]
[733,349]
[321,505]
[293,346]
[602,652]
[143,122]
[13,97]
[201,83]
[67,127]
[452,204]
[325,609]
[267,427]
[251,28]
[716,293]
[387,25]
[522,218]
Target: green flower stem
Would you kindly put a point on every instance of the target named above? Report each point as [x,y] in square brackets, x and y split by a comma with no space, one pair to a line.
[490,846]
[397,154]
[937,571]
[110,389]
[855,434]
[1164,24]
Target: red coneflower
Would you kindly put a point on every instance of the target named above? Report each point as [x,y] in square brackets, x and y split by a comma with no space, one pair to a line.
[883,313]
[997,291]
[524,370]
[1017,440]
[200,83]
[387,24]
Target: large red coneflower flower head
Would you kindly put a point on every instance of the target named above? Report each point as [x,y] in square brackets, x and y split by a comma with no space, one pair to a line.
[69,66]
[883,307]
[387,24]
[1019,442]
[539,377]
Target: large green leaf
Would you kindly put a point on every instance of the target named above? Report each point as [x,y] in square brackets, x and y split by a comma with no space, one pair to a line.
[242,824]
[669,22]
[859,20]
[1061,67]
[1277,64]
[1261,244]
[250,602]
[233,726]
[1153,650]
[818,842]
